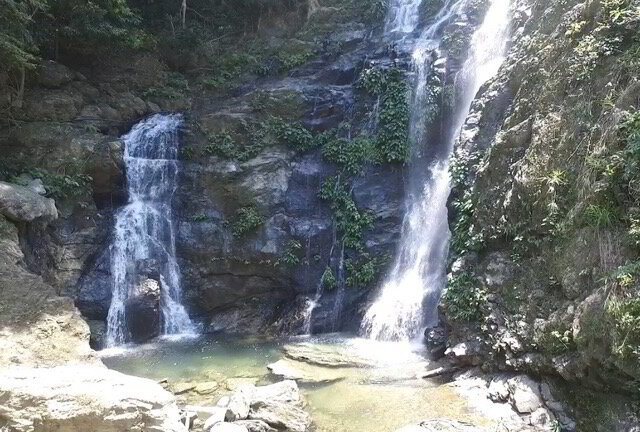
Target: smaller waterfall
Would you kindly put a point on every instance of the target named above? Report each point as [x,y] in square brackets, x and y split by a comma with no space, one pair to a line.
[419,272]
[144,228]
[403,16]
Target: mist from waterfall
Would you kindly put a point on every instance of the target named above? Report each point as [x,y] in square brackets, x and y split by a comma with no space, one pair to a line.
[144,230]
[410,294]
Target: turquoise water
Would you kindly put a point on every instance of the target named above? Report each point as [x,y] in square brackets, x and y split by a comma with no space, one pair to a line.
[382,394]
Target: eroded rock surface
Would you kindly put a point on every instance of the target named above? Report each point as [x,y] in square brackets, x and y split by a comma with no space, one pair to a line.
[83,398]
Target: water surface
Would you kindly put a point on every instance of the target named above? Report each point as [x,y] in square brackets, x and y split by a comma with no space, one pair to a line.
[382,394]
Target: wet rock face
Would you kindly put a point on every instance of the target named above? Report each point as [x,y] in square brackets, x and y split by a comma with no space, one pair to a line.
[259,280]
[248,271]
[143,311]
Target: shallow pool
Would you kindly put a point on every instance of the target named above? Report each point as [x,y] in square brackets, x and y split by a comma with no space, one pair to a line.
[350,384]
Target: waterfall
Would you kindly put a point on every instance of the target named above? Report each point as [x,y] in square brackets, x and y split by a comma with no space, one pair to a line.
[144,233]
[410,294]
[403,16]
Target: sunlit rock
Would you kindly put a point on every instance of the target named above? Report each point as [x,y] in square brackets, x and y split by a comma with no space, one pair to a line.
[83,398]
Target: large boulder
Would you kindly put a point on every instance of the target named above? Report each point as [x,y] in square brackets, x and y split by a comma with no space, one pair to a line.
[525,394]
[281,415]
[23,204]
[54,75]
[142,310]
[256,426]
[83,398]
[278,406]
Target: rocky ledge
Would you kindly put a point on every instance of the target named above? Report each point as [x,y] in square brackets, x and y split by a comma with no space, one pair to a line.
[80,398]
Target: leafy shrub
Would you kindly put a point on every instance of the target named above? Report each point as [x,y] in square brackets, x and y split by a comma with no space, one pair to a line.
[247,219]
[393,128]
[361,274]
[626,317]
[328,280]
[223,145]
[557,340]
[601,216]
[293,134]
[463,237]
[464,299]
[351,222]
[63,186]
[351,155]
[290,255]
[176,87]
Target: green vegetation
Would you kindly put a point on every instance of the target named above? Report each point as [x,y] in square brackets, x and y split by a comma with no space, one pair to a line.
[391,88]
[626,317]
[351,155]
[464,299]
[557,340]
[463,238]
[606,38]
[328,280]
[246,221]
[350,221]
[74,185]
[290,255]
[249,140]
[176,87]
[362,273]
[601,216]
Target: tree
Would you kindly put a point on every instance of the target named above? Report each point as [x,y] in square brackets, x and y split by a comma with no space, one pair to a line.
[18,52]
[88,27]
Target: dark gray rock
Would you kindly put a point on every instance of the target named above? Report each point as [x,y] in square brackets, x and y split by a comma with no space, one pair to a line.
[54,75]
[142,310]
[435,338]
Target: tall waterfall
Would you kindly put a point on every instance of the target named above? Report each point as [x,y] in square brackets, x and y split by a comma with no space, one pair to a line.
[409,296]
[144,229]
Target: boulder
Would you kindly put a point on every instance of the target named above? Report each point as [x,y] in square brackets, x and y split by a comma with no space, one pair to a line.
[303,372]
[255,426]
[81,398]
[206,387]
[22,204]
[216,415]
[238,403]
[524,394]
[325,355]
[469,353]
[499,389]
[54,75]
[35,185]
[276,405]
[227,427]
[441,426]
[542,418]
[182,387]
[435,338]
[98,331]
[284,391]
[142,310]
[281,415]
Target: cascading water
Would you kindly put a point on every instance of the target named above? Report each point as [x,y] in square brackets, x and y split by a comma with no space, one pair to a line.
[410,294]
[144,228]
[403,16]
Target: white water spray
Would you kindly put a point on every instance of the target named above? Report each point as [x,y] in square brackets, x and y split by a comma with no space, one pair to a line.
[419,273]
[144,227]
